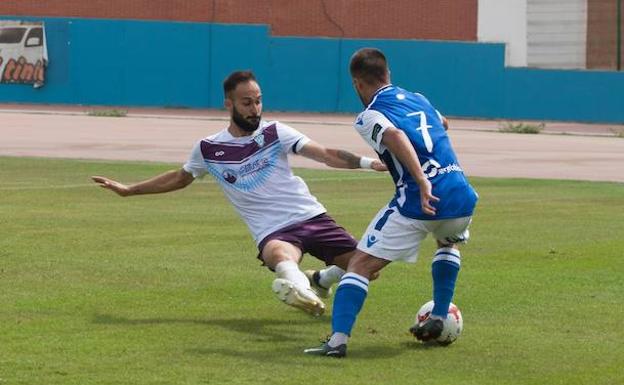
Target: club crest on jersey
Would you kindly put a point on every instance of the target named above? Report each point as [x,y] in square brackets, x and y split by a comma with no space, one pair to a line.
[229,176]
[371,240]
[259,139]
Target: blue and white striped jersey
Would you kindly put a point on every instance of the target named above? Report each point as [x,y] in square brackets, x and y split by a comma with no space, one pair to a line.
[412,113]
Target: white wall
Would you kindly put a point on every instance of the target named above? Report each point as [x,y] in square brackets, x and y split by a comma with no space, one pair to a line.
[557,33]
[537,33]
[505,21]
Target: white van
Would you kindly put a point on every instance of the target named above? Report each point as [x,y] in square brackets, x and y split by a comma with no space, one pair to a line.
[23,52]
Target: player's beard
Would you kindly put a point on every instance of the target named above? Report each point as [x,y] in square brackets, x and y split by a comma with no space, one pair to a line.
[249,124]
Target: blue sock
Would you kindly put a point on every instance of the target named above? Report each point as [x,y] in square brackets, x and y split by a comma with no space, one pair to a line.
[350,296]
[444,270]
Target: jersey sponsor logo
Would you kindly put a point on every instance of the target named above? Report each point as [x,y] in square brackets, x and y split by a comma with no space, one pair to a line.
[254,166]
[371,240]
[229,176]
[247,171]
[250,175]
[359,121]
[432,168]
[376,130]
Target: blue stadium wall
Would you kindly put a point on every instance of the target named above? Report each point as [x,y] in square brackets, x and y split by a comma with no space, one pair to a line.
[177,64]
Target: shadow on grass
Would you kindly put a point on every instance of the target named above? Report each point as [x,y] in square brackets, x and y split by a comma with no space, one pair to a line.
[416,345]
[277,332]
[294,356]
[266,329]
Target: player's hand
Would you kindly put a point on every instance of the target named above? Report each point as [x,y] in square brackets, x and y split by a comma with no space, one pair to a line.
[426,197]
[116,187]
[378,165]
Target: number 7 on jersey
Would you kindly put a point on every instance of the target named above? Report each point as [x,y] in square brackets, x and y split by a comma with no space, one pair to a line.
[424,129]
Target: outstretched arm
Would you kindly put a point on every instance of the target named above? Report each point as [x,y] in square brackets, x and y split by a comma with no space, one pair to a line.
[169,181]
[339,158]
[397,142]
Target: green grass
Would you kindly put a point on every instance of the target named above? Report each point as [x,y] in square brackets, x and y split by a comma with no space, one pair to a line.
[617,132]
[521,128]
[165,289]
[114,113]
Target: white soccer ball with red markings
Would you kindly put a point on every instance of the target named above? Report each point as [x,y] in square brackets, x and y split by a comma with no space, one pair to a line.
[453,324]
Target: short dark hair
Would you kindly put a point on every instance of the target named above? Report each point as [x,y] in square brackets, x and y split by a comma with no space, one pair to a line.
[236,78]
[370,65]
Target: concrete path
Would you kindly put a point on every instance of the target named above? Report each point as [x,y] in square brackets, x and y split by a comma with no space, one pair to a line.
[562,151]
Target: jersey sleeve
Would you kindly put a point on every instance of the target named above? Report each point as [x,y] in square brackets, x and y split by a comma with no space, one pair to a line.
[195,163]
[292,140]
[371,125]
[440,116]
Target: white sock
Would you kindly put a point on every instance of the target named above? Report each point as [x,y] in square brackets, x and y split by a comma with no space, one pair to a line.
[290,270]
[338,339]
[330,275]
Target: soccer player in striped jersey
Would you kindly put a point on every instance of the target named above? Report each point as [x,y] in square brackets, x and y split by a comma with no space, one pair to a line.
[432,196]
[248,159]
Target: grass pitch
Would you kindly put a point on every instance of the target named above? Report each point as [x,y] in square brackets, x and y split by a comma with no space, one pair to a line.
[165,289]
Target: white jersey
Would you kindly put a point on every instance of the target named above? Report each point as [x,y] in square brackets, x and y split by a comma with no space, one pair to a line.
[254,173]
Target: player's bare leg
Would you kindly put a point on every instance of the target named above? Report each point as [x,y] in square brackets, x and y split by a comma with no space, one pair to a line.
[291,285]
[323,280]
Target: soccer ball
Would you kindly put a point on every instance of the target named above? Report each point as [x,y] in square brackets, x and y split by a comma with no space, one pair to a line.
[453,324]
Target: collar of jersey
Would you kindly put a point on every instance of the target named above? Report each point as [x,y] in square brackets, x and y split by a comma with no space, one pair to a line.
[242,139]
[379,91]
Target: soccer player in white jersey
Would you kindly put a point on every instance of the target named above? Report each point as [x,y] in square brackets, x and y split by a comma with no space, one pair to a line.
[432,197]
[249,161]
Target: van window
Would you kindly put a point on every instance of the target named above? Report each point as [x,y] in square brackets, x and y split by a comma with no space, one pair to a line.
[11,35]
[36,33]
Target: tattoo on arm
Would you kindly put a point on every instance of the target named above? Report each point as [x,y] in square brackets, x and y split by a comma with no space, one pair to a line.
[351,159]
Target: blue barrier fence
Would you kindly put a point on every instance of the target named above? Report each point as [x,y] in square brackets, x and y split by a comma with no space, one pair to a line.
[178,64]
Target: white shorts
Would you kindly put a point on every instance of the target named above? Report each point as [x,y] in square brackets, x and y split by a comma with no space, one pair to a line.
[393,237]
